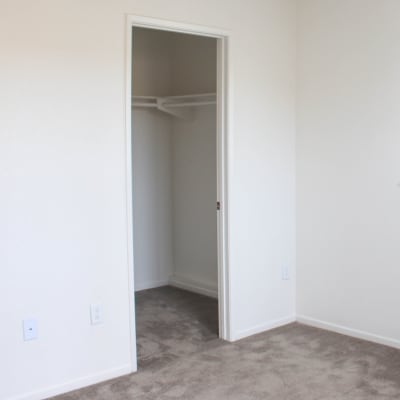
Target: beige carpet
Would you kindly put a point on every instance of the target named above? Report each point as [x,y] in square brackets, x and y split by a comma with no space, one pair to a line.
[180,357]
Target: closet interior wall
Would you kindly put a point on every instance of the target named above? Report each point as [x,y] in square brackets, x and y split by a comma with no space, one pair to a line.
[174,164]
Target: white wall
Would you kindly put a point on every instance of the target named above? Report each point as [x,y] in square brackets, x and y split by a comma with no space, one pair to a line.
[62,163]
[194,150]
[262,166]
[349,166]
[194,200]
[152,165]
[193,64]
[152,67]
[152,212]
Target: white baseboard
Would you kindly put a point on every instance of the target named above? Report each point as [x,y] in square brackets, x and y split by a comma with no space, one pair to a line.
[75,384]
[150,285]
[303,319]
[263,327]
[194,286]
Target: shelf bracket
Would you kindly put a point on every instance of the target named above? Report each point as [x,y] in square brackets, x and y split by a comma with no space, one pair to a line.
[179,113]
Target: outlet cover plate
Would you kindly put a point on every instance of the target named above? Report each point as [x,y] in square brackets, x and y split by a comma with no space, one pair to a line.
[30,329]
[96,314]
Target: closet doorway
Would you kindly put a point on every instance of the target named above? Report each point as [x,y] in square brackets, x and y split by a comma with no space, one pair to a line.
[177,171]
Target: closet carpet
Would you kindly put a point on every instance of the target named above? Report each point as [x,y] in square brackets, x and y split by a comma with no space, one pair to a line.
[180,357]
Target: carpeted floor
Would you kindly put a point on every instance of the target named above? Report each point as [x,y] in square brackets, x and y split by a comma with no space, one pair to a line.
[180,357]
[173,323]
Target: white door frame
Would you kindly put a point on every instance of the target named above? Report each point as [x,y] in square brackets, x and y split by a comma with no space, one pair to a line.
[223,139]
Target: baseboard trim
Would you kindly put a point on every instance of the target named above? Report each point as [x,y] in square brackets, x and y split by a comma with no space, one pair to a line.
[264,327]
[75,384]
[316,323]
[150,285]
[194,286]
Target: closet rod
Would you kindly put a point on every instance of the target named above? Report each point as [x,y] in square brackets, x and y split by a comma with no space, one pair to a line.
[187,96]
[189,104]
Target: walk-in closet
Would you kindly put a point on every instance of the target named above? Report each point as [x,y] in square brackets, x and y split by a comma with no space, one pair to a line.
[174,83]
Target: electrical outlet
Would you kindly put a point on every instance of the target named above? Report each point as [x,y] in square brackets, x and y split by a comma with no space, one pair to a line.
[30,329]
[96,314]
[285,273]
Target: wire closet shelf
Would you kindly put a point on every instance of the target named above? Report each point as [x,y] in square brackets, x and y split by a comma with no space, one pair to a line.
[174,105]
